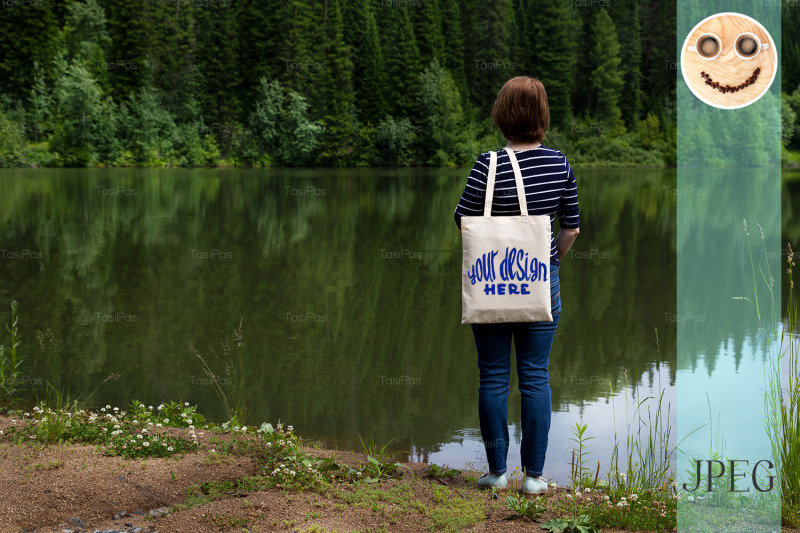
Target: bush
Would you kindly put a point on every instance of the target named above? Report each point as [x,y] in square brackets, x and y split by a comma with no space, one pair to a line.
[393,141]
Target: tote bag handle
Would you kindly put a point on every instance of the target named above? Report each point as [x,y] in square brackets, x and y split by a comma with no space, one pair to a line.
[523,204]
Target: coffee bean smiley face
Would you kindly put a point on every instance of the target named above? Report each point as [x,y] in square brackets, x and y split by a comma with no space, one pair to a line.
[729,60]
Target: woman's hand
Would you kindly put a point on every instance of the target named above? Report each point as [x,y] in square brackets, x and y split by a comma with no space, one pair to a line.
[564,240]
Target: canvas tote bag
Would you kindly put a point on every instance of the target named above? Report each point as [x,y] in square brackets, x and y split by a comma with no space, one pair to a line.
[506,261]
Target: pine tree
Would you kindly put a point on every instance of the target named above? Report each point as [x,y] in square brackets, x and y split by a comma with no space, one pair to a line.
[488,60]
[453,52]
[446,136]
[41,104]
[521,46]
[581,98]
[427,21]
[607,79]
[174,50]
[128,28]
[217,65]
[626,19]
[86,40]
[659,72]
[401,62]
[29,36]
[85,131]
[790,48]
[555,52]
[262,33]
[361,34]
[333,91]
[299,59]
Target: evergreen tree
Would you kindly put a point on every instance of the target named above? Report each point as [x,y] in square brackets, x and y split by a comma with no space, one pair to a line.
[453,52]
[61,11]
[262,29]
[581,98]
[281,126]
[128,28]
[521,44]
[149,130]
[86,39]
[446,135]
[87,130]
[41,104]
[488,60]
[174,50]
[361,35]
[427,21]
[217,66]
[28,36]
[607,79]
[298,57]
[626,20]
[401,62]
[659,71]
[333,91]
[790,47]
[556,28]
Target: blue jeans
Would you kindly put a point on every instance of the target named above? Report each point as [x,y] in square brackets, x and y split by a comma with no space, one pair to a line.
[532,341]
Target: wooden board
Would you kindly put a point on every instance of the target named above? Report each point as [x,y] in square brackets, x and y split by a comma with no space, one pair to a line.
[728,68]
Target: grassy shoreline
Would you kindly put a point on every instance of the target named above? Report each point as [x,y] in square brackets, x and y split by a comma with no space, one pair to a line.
[326,485]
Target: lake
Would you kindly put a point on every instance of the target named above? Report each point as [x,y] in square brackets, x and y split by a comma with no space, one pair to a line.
[347,285]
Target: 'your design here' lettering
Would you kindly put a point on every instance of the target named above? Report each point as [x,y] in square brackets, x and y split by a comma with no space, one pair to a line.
[516,265]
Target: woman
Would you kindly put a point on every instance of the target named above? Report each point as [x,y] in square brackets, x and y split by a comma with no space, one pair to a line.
[521,112]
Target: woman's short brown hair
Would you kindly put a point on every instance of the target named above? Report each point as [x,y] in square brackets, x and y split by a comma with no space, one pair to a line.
[521,111]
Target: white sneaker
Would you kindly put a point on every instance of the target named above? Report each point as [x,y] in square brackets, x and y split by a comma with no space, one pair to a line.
[493,481]
[534,486]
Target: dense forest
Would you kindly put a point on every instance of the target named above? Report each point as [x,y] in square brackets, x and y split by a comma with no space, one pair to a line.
[334,83]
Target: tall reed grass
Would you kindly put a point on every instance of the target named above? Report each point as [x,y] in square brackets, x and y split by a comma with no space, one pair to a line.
[782,406]
[10,361]
[233,363]
[647,463]
[781,411]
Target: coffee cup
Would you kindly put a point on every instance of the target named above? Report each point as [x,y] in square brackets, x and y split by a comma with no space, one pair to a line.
[748,45]
[707,46]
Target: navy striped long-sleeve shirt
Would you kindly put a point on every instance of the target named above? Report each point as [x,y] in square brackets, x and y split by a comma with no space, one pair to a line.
[550,189]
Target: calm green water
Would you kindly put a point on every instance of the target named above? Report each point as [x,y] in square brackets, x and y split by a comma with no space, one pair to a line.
[348,285]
